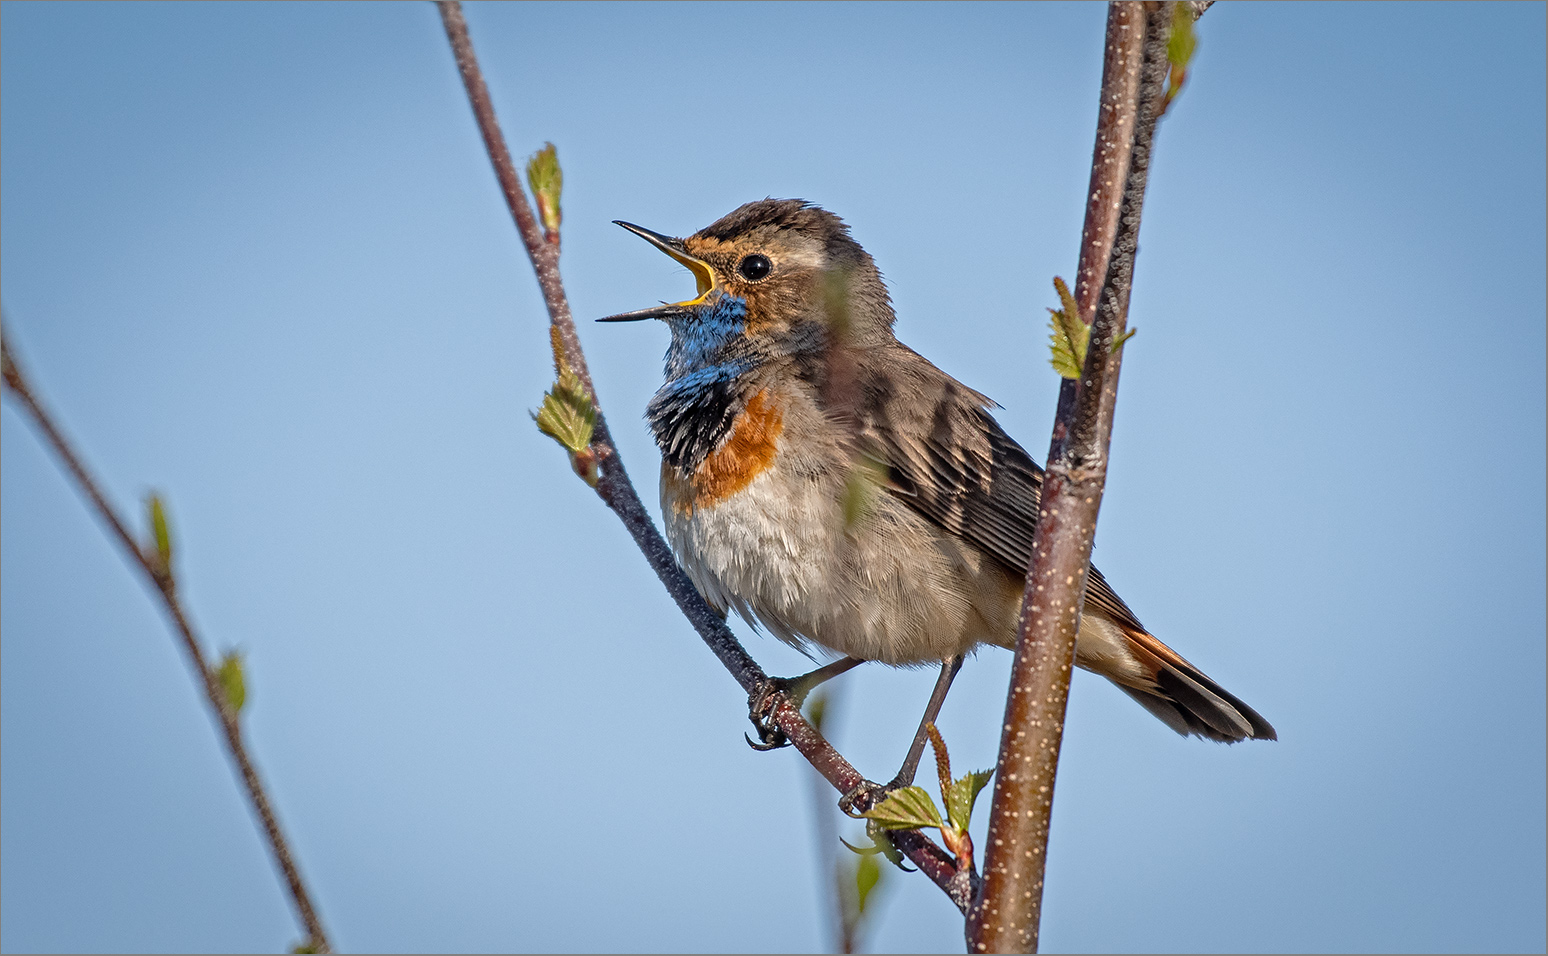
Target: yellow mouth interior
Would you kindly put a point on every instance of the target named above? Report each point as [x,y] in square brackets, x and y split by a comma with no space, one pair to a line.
[703,275]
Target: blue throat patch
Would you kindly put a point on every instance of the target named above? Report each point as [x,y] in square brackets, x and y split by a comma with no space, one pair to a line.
[696,408]
[711,336]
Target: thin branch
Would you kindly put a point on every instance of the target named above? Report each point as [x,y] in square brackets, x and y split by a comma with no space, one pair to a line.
[1116,110]
[1006,916]
[617,491]
[162,580]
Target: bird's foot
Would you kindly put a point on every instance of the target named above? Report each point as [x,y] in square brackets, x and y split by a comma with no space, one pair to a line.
[760,703]
[863,796]
[760,710]
[867,794]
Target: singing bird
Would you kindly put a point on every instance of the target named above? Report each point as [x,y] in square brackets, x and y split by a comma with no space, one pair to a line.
[826,481]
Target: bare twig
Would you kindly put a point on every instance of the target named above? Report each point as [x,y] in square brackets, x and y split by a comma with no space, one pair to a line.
[161,579]
[617,491]
[1006,916]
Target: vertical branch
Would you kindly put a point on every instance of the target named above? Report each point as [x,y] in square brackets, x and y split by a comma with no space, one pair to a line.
[1006,916]
[1116,113]
[161,579]
[1116,110]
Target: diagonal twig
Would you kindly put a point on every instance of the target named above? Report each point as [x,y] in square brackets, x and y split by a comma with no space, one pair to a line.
[618,493]
[161,579]
[1006,916]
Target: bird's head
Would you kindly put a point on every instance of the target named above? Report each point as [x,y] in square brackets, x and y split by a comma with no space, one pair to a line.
[775,277]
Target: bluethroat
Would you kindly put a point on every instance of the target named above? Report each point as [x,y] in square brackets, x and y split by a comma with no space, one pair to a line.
[829,483]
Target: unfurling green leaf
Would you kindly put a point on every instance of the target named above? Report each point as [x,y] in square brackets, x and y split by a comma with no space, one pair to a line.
[547,182]
[1069,334]
[567,415]
[867,874]
[817,709]
[861,486]
[228,674]
[161,534]
[1180,46]
[907,809]
[1118,342]
[569,418]
[961,796]
[880,843]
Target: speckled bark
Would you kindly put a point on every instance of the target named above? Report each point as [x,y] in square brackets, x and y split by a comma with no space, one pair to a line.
[1006,916]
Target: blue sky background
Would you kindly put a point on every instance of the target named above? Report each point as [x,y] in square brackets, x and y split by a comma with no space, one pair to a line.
[255,257]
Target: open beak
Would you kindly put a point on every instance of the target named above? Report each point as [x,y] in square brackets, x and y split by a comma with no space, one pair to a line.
[703,276]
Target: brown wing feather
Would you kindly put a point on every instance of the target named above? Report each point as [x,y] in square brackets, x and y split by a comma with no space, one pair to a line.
[952,462]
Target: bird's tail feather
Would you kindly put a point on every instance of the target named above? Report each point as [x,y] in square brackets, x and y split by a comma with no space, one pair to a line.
[1188,701]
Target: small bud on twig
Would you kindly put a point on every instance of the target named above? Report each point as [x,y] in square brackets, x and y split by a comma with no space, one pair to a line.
[1069,334]
[1180,45]
[232,681]
[547,182]
[158,552]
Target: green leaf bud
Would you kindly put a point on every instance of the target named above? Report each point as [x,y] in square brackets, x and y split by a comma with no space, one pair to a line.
[1069,334]
[228,674]
[547,181]
[161,534]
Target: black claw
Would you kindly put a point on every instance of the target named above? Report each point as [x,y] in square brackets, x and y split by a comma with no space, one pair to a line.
[759,703]
[767,745]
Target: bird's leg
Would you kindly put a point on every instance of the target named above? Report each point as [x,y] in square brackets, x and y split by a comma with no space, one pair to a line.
[949,668]
[868,794]
[760,702]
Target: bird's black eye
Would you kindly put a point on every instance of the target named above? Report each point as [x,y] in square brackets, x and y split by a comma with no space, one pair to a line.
[754,267]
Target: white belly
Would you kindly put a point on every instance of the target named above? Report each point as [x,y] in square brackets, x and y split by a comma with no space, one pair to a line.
[888,587]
